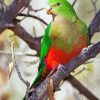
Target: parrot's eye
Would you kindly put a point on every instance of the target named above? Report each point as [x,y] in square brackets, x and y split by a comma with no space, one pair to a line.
[58,4]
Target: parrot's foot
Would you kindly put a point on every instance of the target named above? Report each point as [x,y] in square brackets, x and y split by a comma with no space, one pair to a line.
[84,50]
[31,90]
[62,69]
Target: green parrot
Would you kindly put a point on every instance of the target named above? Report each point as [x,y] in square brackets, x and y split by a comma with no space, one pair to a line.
[64,38]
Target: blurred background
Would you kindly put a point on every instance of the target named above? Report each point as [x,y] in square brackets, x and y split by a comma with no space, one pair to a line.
[12,88]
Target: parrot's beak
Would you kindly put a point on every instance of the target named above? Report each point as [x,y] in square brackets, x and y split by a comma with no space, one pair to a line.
[50,11]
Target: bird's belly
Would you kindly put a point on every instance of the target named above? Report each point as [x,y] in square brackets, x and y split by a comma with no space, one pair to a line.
[57,56]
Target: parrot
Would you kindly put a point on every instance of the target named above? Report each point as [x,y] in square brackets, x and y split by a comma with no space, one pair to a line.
[64,38]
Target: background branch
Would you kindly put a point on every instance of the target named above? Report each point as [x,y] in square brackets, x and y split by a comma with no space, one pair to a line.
[74,3]
[83,90]
[35,17]
[94,5]
[33,43]
[94,25]
[10,13]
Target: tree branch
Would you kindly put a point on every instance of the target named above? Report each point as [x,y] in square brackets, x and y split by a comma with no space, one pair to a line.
[64,71]
[94,5]
[10,13]
[33,43]
[95,25]
[83,90]
[35,17]
[74,3]
[7,21]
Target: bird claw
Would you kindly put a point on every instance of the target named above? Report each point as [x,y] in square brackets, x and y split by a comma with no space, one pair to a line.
[61,68]
[31,90]
[85,50]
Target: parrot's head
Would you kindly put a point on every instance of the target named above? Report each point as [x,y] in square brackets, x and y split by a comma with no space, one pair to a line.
[59,7]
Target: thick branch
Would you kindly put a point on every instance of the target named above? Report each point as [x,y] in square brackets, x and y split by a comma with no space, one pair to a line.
[64,71]
[10,13]
[4,25]
[32,42]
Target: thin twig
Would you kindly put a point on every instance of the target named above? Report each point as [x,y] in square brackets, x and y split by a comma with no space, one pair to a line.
[94,6]
[50,89]
[34,32]
[18,71]
[35,10]
[52,72]
[26,6]
[16,53]
[73,4]
[83,69]
[11,63]
[35,17]
[22,79]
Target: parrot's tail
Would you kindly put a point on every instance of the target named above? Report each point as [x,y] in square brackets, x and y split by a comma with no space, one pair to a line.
[40,78]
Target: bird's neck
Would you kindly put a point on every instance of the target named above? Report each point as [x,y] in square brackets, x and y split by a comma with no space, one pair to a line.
[65,19]
[67,16]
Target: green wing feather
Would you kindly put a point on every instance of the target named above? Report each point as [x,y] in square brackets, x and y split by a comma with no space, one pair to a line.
[46,44]
[85,30]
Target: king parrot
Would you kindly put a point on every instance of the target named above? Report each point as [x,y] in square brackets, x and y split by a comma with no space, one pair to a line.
[63,40]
